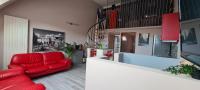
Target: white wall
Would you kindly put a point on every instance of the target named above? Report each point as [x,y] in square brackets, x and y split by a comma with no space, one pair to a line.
[1,42]
[70,35]
[107,75]
[53,15]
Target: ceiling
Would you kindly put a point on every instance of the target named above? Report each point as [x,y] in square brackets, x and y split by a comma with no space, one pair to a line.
[102,3]
[4,3]
[106,2]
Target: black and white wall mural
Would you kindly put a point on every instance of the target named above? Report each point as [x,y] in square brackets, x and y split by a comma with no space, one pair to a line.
[46,40]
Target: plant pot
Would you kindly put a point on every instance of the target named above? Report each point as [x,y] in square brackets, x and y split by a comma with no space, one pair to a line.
[196,75]
[77,47]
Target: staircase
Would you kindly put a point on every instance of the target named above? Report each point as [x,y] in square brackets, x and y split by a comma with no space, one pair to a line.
[96,34]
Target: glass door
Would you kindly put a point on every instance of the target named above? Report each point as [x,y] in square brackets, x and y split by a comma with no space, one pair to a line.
[117,44]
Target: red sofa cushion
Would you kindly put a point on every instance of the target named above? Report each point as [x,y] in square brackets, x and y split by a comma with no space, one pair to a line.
[27,60]
[10,73]
[20,82]
[57,65]
[14,79]
[32,87]
[32,65]
[36,69]
[27,87]
[53,57]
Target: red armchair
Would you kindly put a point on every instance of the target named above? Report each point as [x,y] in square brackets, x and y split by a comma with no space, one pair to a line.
[14,79]
[39,64]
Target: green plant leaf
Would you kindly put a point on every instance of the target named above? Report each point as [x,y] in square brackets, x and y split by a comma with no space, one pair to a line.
[182,69]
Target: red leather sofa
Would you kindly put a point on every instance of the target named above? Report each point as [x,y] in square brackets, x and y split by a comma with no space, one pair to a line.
[14,79]
[39,64]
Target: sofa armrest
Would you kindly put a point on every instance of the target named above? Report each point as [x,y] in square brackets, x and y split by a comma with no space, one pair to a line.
[10,73]
[35,87]
[66,61]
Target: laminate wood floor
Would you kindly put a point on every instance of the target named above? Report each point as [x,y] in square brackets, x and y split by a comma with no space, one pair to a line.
[73,79]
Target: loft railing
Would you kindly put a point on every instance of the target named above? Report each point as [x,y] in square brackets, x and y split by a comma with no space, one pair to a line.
[140,13]
[127,14]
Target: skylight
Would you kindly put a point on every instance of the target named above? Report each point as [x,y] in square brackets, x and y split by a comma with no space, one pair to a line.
[3,1]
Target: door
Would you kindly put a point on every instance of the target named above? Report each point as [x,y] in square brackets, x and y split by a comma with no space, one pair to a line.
[128,42]
[114,42]
[111,39]
[15,37]
[117,44]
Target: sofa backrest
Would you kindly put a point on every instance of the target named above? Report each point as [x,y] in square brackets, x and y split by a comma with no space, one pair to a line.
[52,57]
[27,60]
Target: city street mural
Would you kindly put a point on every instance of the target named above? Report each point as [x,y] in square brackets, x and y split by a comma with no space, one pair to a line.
[46,40]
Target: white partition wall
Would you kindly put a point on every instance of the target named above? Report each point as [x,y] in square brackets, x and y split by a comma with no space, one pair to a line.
[108,75]
[15,37]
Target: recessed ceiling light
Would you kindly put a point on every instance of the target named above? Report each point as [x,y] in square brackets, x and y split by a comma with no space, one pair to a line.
[3,1]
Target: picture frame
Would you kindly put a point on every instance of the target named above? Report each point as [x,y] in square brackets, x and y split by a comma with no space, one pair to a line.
[47,40]
[143,39]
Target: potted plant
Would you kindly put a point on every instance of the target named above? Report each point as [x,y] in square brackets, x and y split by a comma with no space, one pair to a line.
[100,45]
[185,69]
[68,49]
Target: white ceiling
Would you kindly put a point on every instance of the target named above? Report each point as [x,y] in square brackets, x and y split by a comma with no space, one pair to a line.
[106,2]
[4,3]
[102,3]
